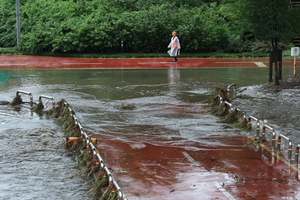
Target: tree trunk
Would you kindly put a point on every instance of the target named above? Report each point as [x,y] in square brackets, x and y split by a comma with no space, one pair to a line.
[275,42]
[280,63]
[275,56]
[276,63]
[271,67]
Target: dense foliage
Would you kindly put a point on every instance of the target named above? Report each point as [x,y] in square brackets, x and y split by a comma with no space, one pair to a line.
[97,26]
[269,20]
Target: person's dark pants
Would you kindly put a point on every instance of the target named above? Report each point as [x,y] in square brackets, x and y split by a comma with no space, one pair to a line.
[175,57]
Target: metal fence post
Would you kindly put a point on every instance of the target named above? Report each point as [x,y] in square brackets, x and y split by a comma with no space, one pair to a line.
[249,121]
[257,128]
[31,100]
[278,143]
[263,132]
[297,154]
[234,90]
[273,138]
[221,100]
[290,150]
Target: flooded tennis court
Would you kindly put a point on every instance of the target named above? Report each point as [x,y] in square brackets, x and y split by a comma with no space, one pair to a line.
[169,147]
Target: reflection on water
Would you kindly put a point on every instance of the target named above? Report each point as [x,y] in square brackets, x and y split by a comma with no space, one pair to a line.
[169,104]
[96,92]
[4,76]
[174,80]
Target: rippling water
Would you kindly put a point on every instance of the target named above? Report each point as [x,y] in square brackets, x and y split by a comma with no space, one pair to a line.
[33,162]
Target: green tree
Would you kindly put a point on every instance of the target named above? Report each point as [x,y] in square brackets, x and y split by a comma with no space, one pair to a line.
[268,20]
[96,26]
[8,36]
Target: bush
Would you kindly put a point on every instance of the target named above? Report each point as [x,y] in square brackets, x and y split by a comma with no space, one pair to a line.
[98,26]
[8,35]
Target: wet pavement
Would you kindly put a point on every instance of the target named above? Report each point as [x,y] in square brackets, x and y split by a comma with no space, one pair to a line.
[167,148]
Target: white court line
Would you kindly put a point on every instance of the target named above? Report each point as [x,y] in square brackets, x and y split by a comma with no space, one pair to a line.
[82,63]
[234,62]
[223,190]
[143,63]
[260,64]
[13,64]
[190,158]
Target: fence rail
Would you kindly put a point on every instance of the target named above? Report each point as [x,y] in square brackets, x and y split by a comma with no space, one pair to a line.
[28,93]
[284,143]
[85,138]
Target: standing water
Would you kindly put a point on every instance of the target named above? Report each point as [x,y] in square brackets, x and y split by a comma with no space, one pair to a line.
[137,145]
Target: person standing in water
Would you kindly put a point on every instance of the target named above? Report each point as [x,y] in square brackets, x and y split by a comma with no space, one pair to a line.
[175,47]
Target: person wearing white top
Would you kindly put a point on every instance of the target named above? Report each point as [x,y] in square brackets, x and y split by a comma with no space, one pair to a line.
[175,47]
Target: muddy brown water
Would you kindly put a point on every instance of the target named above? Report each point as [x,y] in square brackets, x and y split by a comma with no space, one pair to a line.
[34,164]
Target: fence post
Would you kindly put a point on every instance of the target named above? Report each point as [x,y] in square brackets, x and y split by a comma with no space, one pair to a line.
[297,154]
[244,119]
[31,100]
[278,143]
[257,128]
[234,90]
[290,150]
[273,138]
[221,100]
[263,132]
[249,121]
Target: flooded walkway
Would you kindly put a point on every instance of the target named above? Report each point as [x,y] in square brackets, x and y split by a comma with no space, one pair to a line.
[167,148]
[33,162]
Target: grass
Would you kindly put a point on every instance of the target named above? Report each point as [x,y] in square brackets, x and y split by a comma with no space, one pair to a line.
[15,51]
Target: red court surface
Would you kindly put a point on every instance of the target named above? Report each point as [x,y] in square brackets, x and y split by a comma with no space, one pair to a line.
[206,171]
[9,62]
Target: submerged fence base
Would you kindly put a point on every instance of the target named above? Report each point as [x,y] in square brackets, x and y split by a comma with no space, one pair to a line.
[77,141]
[232,115]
